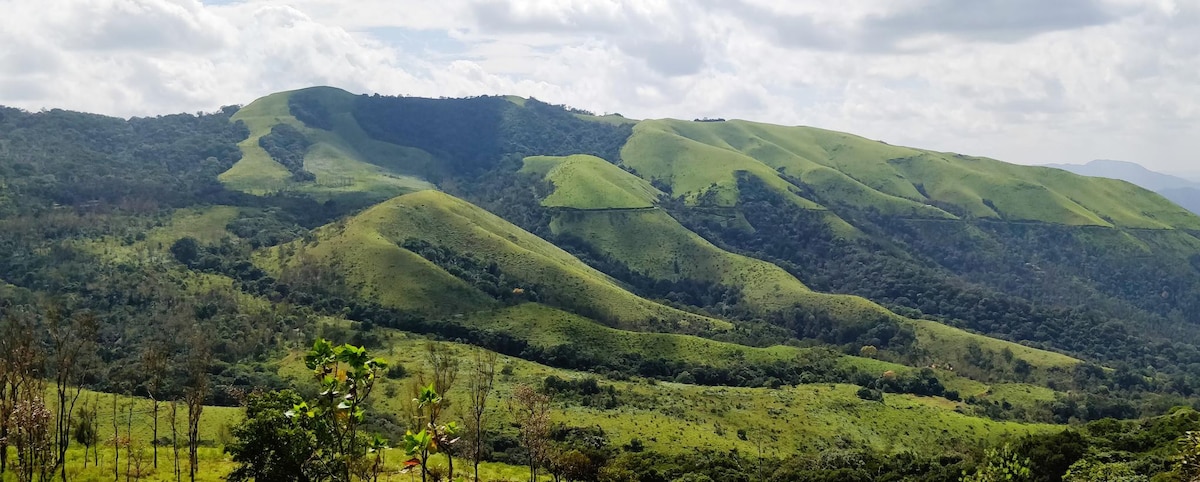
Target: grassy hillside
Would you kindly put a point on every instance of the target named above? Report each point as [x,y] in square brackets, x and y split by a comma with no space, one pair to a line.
[842,168]
[588,182]
[663,249]
[346,162]
[404,280]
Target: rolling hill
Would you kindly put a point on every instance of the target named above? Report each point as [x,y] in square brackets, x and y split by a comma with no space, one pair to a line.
[825,234]
[715,270]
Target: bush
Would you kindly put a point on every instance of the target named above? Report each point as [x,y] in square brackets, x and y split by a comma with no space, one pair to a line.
[870,394]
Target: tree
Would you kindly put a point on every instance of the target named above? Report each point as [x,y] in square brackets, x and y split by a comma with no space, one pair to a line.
[85,431]
[480,382]
[346,375]
[186,250]
[1000,465]
[174,407]
[199,358]
[433,437]
[444,362]
[20,363]
[32,438]
[72,345]
[572,465]
[1188,464]
[154,364]
[271,446]
[531,411]
[1096,471]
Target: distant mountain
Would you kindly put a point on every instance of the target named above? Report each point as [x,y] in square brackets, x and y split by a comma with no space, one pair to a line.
[1184,192]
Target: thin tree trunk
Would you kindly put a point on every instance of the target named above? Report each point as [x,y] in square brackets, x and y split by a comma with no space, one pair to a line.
[96,430]
[175,437]
[116,441]
[195,410]
[154,441]
[129,443]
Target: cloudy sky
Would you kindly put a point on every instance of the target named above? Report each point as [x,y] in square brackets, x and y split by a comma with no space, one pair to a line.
[1027,81]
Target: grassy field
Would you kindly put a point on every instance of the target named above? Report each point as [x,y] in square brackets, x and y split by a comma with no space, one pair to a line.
[135,422]
[679,418]
[695,157]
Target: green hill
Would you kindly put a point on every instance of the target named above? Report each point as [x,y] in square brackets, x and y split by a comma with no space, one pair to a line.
[663,249]
[842,168]
[346,163]
[448,223]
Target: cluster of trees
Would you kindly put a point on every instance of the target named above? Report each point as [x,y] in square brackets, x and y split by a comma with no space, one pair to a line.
[485,276]
[68,158]
[287,146]
[47,355]
[473,135]
[325,437]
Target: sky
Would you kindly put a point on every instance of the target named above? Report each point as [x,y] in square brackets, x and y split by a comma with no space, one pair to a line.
[1025,81]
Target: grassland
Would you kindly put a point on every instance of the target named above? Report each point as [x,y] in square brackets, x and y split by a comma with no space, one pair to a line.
[135,422]
[588,182]
[951,338]
[368,247]
[347,163]
[206,224]
[256,172]
[680,418]
[696,157]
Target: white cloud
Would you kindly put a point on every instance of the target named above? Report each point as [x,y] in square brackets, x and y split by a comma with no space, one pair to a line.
[1026,83]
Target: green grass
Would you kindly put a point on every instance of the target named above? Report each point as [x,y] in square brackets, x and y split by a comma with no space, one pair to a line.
[257,172]
[695,169]
[214,422]
[664,249]
[206,224]
[381,270]
[588,182]
[368,246]
[696,157]
[613,119]
[1019,393]
[547,327]
[951,339]
[945,344]
[215,433]
[348,164]
[678,418]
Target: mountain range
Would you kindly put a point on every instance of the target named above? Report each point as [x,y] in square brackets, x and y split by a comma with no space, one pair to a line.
[723,273]
[1179,190]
